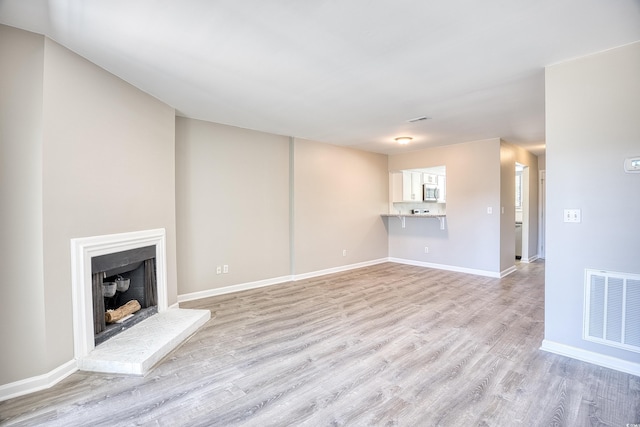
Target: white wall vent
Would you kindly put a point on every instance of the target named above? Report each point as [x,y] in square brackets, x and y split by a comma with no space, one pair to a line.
[612,309]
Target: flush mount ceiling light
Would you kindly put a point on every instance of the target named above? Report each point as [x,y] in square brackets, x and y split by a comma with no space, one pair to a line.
[403,140]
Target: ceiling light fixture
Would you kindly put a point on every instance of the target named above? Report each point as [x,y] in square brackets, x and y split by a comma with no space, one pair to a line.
[403,140]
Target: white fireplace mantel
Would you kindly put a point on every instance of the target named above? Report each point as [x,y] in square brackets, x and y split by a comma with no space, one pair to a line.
[82,250]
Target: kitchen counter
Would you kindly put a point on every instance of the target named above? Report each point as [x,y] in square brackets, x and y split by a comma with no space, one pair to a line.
[402,217]
[417,215]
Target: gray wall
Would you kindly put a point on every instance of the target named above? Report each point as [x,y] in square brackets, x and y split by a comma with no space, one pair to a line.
[235,198]
[592,119]
[232,203]
[471,239]
[21,246]
[96,156]
[507,201]
[480,174]
[339,194]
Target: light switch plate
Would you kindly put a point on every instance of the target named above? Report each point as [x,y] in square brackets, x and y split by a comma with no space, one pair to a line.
[632,165]
[572,215]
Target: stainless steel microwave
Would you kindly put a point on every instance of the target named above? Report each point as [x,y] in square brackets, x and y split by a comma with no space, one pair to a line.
[430,193]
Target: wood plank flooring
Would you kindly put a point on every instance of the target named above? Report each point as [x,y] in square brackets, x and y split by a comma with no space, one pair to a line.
[384,345]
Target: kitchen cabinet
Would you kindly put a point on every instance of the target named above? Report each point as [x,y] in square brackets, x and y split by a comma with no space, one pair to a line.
[442,187]
[407,186]
[411,186]
[429,178]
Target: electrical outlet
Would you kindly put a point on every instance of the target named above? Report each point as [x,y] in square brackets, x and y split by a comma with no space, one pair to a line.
[218,270]
[489,210]
[225,268]
[426,249]
[572,215]
[344,252]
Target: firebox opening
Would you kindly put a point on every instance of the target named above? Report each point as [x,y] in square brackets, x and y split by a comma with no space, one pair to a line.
[135,268]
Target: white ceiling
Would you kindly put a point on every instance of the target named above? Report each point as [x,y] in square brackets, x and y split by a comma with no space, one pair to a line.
[344,72]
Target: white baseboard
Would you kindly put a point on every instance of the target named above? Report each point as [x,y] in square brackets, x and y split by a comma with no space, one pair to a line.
[233,288]
[37,383]
[530,259]
[485,273]
[605,361]
[507,271]
[276,280]
[339,269]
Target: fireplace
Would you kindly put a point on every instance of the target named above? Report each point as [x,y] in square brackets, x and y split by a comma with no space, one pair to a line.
[122,280]
[137,256]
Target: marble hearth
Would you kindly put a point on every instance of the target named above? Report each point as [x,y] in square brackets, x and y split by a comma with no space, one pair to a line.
[137,349]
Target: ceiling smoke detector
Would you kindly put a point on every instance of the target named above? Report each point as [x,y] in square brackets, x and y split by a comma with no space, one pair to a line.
[403,140]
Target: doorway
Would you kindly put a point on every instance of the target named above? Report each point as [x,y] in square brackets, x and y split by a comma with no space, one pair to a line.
[541,212]
[522,212]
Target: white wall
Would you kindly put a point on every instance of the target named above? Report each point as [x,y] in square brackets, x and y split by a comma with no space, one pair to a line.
[592,119]
[471,239]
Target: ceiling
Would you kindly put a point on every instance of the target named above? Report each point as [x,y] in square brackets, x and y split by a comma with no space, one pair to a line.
[343,72]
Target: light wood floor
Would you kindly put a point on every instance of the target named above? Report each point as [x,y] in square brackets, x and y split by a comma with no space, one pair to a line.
[384,345]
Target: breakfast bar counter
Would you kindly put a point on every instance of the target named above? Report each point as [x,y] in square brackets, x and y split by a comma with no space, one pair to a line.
[402,217]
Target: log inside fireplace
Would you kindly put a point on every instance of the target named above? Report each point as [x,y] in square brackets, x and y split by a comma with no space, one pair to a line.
[138,265]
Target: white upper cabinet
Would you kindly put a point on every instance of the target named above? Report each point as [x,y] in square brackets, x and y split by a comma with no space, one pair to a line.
[407,185]
[411,186]
[442,189]
[429,178]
